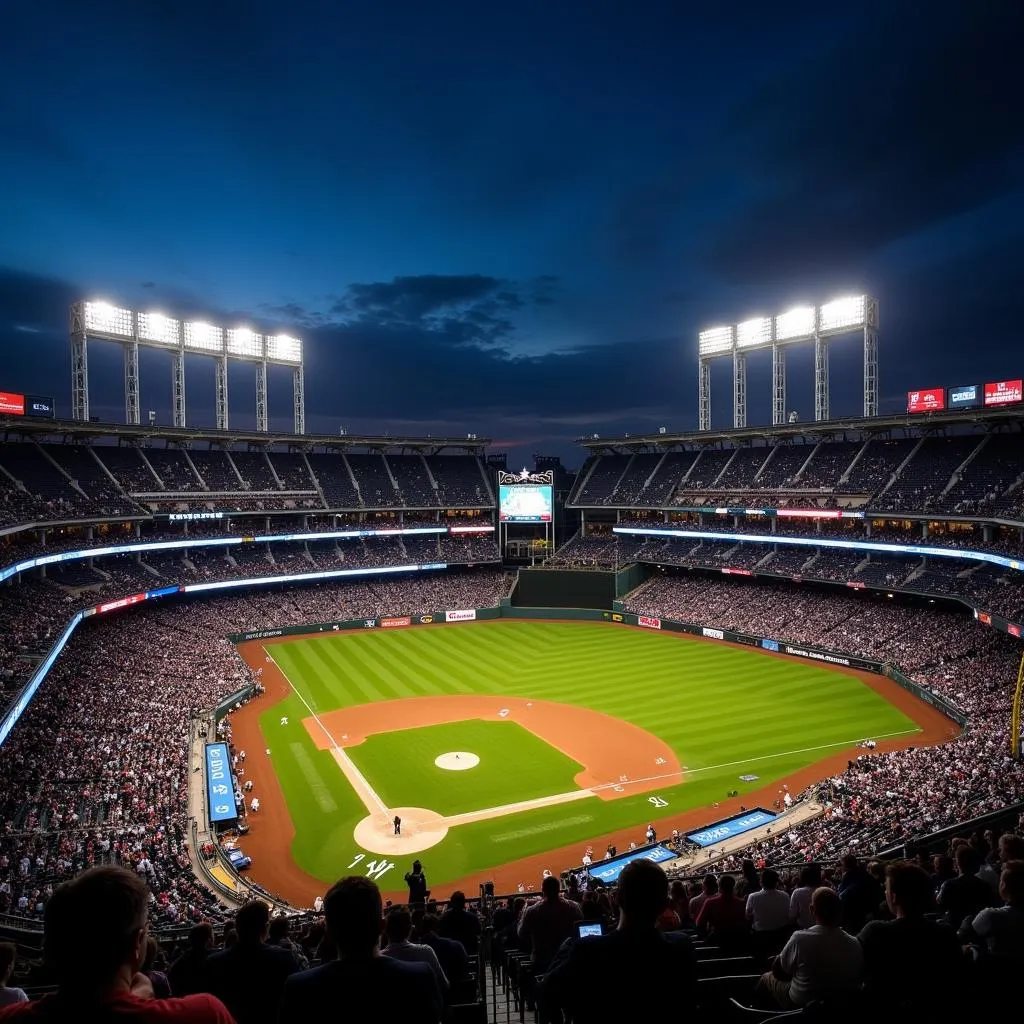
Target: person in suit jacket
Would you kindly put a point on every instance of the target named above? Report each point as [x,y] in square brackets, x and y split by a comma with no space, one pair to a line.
[386,990]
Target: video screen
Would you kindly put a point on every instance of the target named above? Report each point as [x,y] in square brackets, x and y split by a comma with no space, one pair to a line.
[930,400]
[1004,392]
[525,503]
[967,396]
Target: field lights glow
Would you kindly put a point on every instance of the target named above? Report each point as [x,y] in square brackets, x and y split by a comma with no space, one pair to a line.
[795,323]
[714,340]
[159,328]
[283,348]
[104,318]
[244,342]
[842,314]
[203,337]
[757,331]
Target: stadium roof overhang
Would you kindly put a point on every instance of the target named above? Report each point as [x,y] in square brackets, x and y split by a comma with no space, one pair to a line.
[852,427]
[26,428]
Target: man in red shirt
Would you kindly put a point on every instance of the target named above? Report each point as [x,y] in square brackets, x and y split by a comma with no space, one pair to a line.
[723,917]
[94,939]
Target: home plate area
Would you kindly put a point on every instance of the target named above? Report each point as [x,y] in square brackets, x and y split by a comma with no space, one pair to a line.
[421,829]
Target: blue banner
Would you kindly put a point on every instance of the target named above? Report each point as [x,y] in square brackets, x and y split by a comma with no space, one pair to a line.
[220,792]
[770,645]
[608,871]
[729,827]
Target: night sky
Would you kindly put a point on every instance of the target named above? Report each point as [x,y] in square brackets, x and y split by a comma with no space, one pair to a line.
[512,219]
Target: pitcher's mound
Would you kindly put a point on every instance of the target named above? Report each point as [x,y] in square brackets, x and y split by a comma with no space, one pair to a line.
[457,761]
[421,829]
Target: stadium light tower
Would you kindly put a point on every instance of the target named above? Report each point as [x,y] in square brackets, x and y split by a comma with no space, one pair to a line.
[131,329]
[801,324]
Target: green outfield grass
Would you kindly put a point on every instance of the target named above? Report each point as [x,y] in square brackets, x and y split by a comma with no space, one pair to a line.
[726,711]
[514,765]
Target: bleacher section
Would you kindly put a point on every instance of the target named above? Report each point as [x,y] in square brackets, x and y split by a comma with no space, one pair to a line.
[972,474]
[60,483]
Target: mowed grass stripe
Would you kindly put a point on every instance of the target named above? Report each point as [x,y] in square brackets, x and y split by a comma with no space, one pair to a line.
[717,706]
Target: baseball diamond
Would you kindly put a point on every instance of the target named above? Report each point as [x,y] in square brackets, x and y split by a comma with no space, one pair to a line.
[582,731]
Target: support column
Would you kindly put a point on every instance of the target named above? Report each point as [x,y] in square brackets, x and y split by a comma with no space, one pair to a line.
[704,395]
[821,403]
[261,396]
[299,399]
[870,371]
[178,387]
[221,386]
[80,378]
[131,383]
[739,388]
[778,385]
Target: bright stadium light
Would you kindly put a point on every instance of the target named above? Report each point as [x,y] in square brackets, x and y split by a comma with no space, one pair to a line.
[103,318]
[284,349]
[755,332]
[842,314]
[715,340]
[203,337]
[159,328]
[795,323]
[245,343]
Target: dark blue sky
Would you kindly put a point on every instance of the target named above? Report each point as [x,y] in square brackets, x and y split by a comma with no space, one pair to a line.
[512,219]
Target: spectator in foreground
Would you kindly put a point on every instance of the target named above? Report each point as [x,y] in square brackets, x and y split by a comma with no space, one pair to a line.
[450,954]
[545,925]
[8,996]
[249,977]
[387,990]
[188,973]
[723,917]
[608,977]
[398,928]
[461,924]
[1000,930]
[94,941]
[820,962]
[911,961]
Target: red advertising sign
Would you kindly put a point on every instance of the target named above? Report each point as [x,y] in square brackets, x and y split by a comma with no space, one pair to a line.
[985,618]
[1012,629]
[737,572]
[121,602]
[405,620]
[931,400]
[856,584]
[648,621]
[1004,392]
[12,404]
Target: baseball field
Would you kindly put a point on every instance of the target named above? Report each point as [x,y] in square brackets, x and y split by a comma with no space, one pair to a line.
[497,743]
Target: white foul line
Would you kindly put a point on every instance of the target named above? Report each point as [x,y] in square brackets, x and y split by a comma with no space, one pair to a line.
[751,760]
[366,793]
